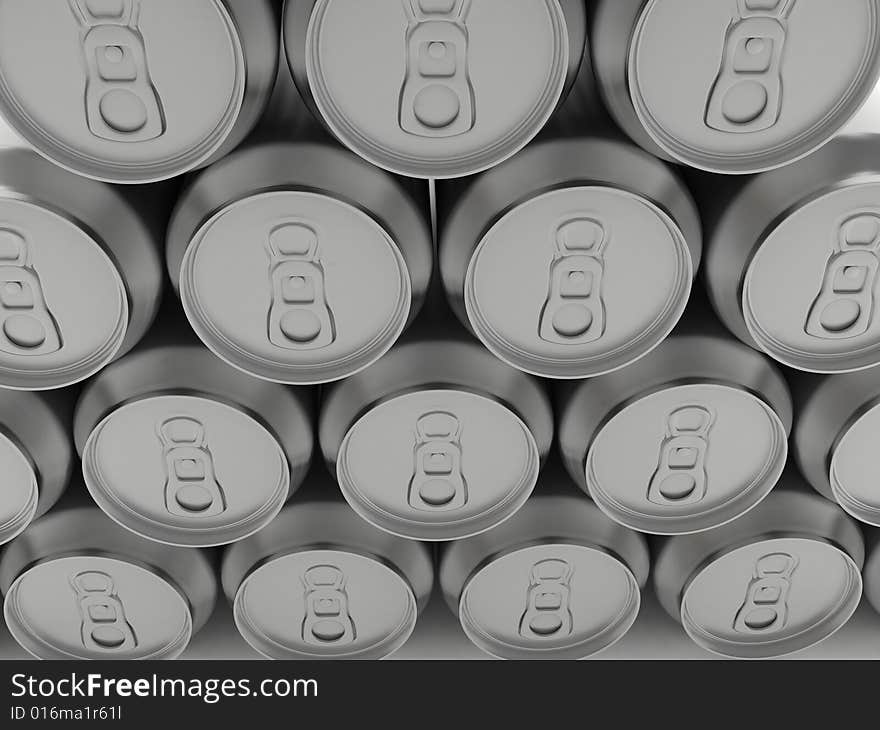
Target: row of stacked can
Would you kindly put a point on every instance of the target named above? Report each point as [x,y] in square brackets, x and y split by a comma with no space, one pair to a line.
[572,259]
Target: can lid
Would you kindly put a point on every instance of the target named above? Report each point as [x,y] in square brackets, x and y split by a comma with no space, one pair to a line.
[828,253]
[63,304]
[556,601]
[578,282]
[438,464]
[295,287]
[186,470]
[751,92]
[325,604]
[436,88]
[853,461]
[20,494]
[116,90]
[94,607]
[771,597]
[686,458]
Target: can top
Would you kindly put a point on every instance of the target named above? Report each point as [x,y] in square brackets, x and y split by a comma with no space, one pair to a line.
[686,458]
[853,460]
[322,292]
[578,281]
[779,580]
[186,470]
[436,88]
[759,83]
[63,304]
[827,250]
[438,464]
[20,494]
[96,607]
[530,587]
[115,98]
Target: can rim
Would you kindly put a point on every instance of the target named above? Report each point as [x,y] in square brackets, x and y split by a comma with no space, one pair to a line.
[736,506]
[211,334]
[412,165]
[413,528]
[591,365]
[68,158]
[782,154]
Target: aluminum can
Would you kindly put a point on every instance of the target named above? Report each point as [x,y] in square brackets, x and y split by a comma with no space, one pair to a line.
[78,586]
[871,571]
[782,578]
[688,438]
[434,88]
[321,583]
[735,86]
[36,456]
[80,271]
[814,226]
[438,440]
[572,259]
[135,91]
[834,438]
[179,447]
[558,580]
[299,263]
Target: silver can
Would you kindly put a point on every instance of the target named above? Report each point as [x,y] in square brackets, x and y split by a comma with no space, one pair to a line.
[686,439]
[438,440]
[320,583]
[815,226]
[871,571]
[558,580]
[78,586]
[80,272]
[757,83]
[565,278]
[299,263]
[780,579]
[835,438]
[135,91]
[36,456]
[434,88]
[179,447]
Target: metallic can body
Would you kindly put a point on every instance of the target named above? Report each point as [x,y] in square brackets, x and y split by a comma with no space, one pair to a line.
[123,98]
[438,440]
[815,225]
[780,579]
[414,92]
[78,586]
[349,591]
[530,588]
[80,272]
[36,456]
[181,448]
[357,241]
[686,439]
[834,438]
[573,259]
[751,91]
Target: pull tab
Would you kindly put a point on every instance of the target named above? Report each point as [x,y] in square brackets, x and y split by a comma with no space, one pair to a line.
[327,619]
[844,306]
[300,317]
[765,607]
[191,486]
[27,327]
[438,482]
[437,98]
[681,477]
[121,101]
[574,311]
[104,626]
[548,612]
[747,93]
